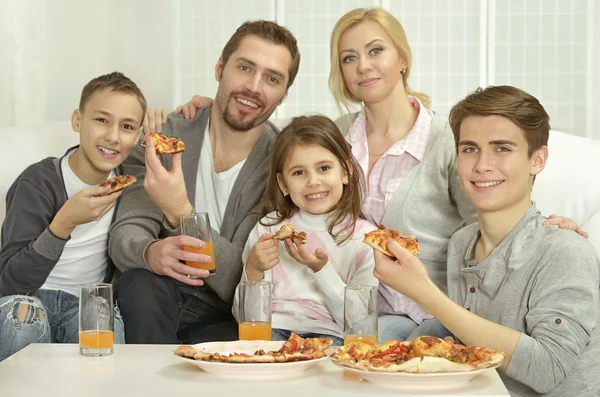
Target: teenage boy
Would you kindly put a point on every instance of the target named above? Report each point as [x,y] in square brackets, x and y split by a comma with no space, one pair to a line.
[223,172]
[529,290]
[55,235]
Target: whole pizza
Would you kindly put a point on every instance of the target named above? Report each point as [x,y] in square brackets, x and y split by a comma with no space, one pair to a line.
[295,348]
[425,354]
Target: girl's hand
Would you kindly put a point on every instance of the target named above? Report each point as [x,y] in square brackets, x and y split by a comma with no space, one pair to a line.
[263,256]
[406,274]
[315,261]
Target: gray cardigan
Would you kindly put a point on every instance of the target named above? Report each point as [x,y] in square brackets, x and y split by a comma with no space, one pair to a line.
[430,202]
[139,222]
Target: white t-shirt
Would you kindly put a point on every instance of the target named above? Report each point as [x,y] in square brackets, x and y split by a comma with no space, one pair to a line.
[84,259]
[213,189]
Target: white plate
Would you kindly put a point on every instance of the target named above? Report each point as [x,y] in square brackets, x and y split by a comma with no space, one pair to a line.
[249,371]
[440,380]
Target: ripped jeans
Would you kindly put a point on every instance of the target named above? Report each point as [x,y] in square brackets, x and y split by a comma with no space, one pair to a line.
[51,316]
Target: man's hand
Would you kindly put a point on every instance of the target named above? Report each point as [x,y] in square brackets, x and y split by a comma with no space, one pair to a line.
[165,188]
[263,256]
[406,275]
[154,120]
[565,223]
[315,261]
[189,109]
[163,258]
[83,207]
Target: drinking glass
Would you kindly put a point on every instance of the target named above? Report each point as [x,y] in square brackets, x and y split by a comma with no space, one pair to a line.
[255,310]
[96,320]
[198,226]
[360,313]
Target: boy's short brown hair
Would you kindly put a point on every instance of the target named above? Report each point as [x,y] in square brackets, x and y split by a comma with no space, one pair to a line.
[115,81]
[269,31]
[509,102]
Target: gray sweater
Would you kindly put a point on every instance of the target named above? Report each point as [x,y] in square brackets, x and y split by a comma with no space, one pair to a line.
[543,282]
[430,202]
[139,222]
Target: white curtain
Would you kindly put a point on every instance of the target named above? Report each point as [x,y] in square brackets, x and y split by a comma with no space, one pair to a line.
[22,61]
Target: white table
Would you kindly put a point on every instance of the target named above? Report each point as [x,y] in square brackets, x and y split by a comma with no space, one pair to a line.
[153,370]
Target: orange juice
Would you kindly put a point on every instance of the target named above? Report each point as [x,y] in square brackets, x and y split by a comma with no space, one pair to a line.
[96,339]
[255,330]
[366,337]
[208,250]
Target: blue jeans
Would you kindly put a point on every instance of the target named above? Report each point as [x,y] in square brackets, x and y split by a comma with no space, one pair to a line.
[284,334]
[403,328]
[51,316]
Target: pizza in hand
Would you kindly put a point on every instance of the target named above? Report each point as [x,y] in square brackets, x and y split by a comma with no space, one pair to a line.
[425,354]
[165,145]
[295,348]
[379,239]
[289,231]
[117,183]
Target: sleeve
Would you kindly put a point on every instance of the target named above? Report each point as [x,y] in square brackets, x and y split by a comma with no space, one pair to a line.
[138,222]
[228,256]
[29,249]
[563,313]
[253,237]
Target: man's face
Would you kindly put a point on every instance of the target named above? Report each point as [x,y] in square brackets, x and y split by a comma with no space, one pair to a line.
[252,83]
[494,168]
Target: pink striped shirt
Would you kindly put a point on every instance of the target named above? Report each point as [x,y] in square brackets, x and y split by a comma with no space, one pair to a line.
[386,176]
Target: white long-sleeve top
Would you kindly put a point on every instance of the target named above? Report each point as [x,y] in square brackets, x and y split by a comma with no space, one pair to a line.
[303,300]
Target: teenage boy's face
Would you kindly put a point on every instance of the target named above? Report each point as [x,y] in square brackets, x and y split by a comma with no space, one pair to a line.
[252,83]
[494,168]
[110,127]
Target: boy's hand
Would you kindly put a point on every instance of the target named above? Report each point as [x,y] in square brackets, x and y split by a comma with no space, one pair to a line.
[84,207]
[263,256]
[189,109]
[406,274]
[315,261]
[154,120]
[166,188]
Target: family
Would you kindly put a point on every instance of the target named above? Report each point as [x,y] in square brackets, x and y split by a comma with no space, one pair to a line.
[492,271]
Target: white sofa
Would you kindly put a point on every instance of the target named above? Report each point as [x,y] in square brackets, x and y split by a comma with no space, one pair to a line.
[570,184]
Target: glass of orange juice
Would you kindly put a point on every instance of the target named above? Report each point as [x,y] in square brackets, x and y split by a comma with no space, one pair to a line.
[360,313]
[96,320]
[255,310]
[198,226]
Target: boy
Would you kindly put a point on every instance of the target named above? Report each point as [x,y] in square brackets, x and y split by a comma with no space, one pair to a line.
[55,235]
[529,290]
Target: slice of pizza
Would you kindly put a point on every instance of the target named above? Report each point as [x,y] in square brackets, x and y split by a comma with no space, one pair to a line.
[117,183]
[380,238]
[289,231]
[165,144]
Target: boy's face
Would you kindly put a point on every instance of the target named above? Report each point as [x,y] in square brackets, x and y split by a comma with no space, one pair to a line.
[252,83]
[494,168]
[110,127]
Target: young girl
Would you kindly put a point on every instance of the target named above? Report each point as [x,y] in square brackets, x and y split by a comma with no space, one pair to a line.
[313,185]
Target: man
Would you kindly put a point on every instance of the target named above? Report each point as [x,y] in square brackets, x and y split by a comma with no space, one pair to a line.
[529,290]
[223,172]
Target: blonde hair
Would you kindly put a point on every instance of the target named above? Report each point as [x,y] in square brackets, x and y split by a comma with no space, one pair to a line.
[393,28]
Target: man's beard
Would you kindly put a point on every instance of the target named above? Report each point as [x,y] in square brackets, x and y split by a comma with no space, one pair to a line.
[241,123]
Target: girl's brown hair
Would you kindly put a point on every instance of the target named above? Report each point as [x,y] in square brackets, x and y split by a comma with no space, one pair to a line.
[394,29]
[321,131]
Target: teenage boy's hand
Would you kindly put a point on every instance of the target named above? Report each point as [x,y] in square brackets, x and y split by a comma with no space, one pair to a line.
[166,188]
[154,120]
[263,256]
[315,261]
[163,258]
[406,275]
[84,207]
[189,109]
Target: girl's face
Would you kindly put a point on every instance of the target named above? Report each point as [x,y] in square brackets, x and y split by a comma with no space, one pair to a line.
[313,177]
[371,64]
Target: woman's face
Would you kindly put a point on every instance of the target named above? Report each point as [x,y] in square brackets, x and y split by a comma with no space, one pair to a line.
[370,63]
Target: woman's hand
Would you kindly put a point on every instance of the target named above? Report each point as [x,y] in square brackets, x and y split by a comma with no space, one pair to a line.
[565,223]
